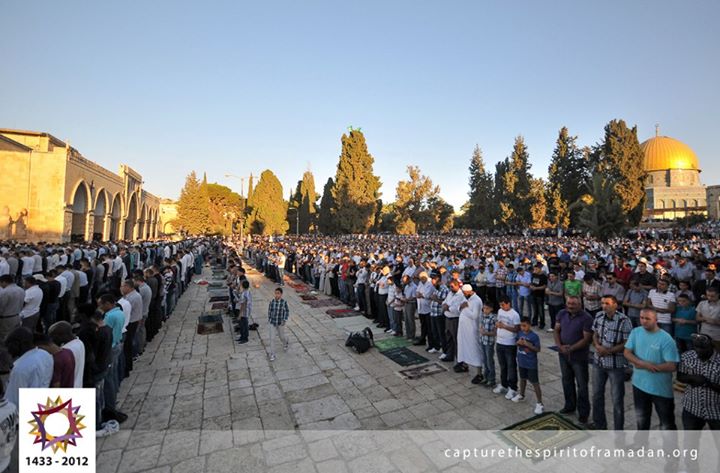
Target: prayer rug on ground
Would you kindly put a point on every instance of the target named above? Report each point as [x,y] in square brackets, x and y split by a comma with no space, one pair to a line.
[216,285]
[316,304]
[219,305]
[404,357]
[308,297]
[545,431]
[299,286]
[209,324]
[340,313]
[219,299]
[417,372]
[391,342]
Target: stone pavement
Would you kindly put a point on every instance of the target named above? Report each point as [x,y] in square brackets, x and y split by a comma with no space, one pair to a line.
[204,403]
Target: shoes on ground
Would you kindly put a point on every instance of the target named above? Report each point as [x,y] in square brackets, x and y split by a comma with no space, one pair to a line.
[286,346]
[539,408]
[566,410]
[517,398]
[272,357]
[431,350]
[510,394]
[499,389]
[108,428]
[477,379]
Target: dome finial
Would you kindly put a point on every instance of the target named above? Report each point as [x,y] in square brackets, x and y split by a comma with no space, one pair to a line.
[657,129]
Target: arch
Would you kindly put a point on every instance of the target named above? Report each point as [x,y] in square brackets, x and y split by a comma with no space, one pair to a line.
[80,207]
[101,209]
[115,217]
[142,222]
[132,218]
[661,204]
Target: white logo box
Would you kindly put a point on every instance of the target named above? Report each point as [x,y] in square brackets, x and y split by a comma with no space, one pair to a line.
[63,422]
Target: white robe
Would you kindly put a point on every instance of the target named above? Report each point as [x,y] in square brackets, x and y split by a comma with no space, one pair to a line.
[468,337]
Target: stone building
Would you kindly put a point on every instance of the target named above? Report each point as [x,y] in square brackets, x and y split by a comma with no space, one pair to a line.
[168,215]
[673,180]
[50,192]
[713,202]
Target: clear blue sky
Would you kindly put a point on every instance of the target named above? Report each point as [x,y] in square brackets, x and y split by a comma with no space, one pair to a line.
[237,87]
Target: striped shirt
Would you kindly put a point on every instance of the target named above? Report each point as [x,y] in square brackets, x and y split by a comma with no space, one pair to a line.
[662,300]
[611,332]
[278,312]
[701,401]
[488,322]
[436,306]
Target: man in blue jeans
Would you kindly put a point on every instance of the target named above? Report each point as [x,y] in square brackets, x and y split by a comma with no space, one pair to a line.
[611,330]
[573,334]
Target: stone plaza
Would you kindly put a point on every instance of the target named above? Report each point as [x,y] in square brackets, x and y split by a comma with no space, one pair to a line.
[202,403]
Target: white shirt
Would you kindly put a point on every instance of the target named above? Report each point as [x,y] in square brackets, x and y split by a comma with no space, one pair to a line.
[33,298]
[34,369]
[454,300]
[37,263]
[508,317]
[426,289]
[69,277]
[28,265]
[127,311]
[63,284]
[4,267]
[78,350]
[83,278]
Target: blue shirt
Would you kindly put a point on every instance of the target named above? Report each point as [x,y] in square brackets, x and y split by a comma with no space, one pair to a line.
[654,347]
[525,356]
[115,319]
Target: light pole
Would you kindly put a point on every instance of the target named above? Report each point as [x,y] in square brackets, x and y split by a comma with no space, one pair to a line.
[297,220]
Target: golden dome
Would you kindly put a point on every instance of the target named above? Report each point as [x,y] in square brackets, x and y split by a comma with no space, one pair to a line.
[663,152]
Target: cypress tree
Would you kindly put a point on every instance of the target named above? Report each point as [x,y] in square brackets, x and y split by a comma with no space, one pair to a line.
[326,220]
[268,208]
[193,206]
[538,204]
[568,176]
[479,212]
[356,188]
[519,184]
[620,157]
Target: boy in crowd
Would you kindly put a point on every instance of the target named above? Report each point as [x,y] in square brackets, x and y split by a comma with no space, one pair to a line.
[528,344]
[278,314]
[488,331]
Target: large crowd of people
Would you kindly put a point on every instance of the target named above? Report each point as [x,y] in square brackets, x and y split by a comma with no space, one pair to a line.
[645,307]
[79,315]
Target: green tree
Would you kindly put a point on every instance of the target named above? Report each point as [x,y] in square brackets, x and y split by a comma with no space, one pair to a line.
[193,211]
[224,207]
[305,200]
[411,201]
[356,188]
[326,220]
[620,157]
[568,176]
[538,204]
[268,208]
[503,189]
[518,180]
[601,209]
[480,210]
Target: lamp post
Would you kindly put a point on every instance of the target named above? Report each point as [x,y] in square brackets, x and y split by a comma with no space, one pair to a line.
[297,220]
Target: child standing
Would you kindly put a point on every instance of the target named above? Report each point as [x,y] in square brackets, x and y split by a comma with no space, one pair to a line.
[488,331]
[244,301]
[528,344]
[278,314]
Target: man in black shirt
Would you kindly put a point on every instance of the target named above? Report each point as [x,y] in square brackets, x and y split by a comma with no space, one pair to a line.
[538,283]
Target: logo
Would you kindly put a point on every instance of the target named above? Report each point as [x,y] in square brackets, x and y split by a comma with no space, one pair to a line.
[56,424]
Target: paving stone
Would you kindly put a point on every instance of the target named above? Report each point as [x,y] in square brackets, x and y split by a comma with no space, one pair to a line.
[321,409]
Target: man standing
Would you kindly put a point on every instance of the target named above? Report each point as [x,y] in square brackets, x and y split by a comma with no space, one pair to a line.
[700,371]
[663,302]
[30,312]
[451,307]
[538,285]
[555,297]
[437,315]
[508,325]
[469,349]
[127,289]
[424,290]
[573,334]
[12,299]
[653,353]
[708,314]
[611,330]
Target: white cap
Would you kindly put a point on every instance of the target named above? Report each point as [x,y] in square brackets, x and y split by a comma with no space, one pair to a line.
[467,288]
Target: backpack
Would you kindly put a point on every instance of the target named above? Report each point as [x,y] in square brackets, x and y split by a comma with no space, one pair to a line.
[361,341]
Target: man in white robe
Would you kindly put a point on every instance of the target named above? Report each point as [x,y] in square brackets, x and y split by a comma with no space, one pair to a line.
[469,349]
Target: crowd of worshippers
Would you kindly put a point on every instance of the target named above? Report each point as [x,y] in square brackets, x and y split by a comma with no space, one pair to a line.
[79,316]
[628,307]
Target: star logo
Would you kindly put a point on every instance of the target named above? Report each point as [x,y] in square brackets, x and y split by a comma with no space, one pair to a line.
[51,409]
